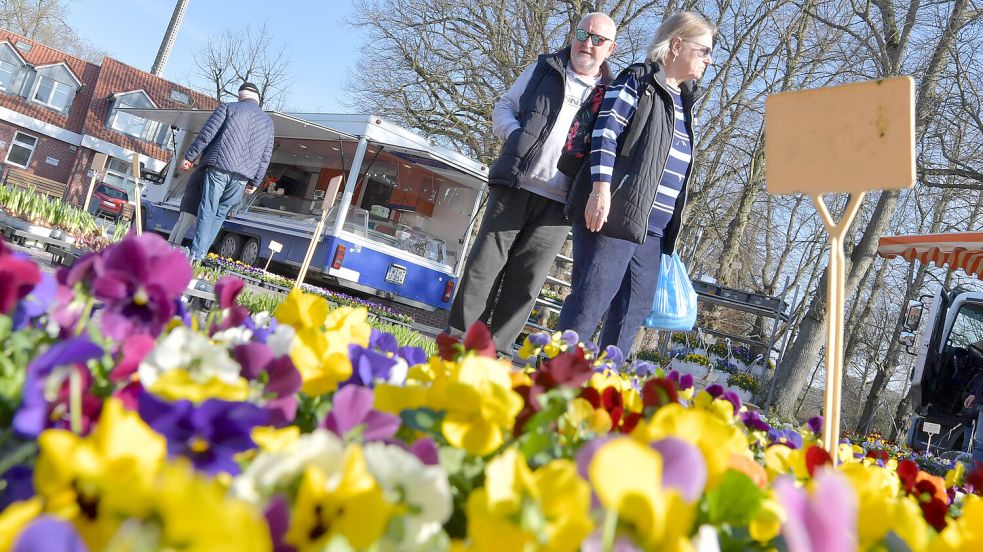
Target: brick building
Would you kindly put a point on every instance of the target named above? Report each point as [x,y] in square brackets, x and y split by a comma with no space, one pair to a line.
[58,111]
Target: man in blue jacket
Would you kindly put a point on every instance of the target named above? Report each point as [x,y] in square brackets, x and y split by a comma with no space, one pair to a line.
[234,146]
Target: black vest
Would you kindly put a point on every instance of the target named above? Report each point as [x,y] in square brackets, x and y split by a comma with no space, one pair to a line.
[539,106]
[641,157]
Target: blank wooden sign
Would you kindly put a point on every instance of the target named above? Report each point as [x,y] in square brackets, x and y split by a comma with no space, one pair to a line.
[841,138]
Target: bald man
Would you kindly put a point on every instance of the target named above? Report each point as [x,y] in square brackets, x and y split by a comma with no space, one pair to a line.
[524,226]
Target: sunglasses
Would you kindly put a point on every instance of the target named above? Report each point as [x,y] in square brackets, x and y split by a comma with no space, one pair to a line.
[595,39]
[702,51]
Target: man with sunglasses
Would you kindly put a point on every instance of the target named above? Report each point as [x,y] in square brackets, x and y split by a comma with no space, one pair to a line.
[524,226]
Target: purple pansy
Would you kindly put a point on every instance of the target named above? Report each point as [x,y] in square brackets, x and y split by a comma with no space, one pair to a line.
[717,391]
[682,381]
[812,525]
[18,484]
[369,367]
[49,534]
[752,420]
[32,416]
[788,437]
[227,288]
[351,410]
[36,302]
[570,337]
[277,514]
[426,450]
[18,276]
[815,424]
[209,434]
[644,369]
[683,467]
[139,280]
[539,339]
[614,354]
[413,355]
[283,379]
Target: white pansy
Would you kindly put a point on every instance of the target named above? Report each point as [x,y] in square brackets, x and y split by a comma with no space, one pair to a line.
[233,337]
[262,319]
[423,489]
[271,471]
[281,340]
[188,350]
[397,374]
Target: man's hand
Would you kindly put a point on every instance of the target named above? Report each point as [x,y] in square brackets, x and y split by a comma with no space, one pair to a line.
[598,206]
[185,164]
[968,403]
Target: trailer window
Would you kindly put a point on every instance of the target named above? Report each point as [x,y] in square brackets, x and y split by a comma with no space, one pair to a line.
[967,328]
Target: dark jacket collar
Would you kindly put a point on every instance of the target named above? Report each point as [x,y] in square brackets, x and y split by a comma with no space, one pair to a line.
[560,59]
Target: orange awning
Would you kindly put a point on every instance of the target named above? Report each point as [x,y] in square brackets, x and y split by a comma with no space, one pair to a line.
[953,250]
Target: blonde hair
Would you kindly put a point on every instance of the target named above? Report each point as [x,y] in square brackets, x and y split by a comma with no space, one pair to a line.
[685,25]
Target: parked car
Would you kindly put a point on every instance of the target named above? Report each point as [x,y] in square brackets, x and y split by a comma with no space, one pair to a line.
[108,200]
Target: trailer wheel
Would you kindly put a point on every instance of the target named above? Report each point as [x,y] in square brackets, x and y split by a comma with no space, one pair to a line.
[228,248]
[250,252]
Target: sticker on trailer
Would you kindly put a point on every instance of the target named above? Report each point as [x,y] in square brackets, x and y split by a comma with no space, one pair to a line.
[345,273]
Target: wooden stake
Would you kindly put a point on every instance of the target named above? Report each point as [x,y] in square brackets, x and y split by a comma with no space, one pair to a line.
[329,196]
[135,171]
[834,316]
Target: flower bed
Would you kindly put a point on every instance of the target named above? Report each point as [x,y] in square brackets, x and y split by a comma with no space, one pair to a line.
[281,284]
[133,427]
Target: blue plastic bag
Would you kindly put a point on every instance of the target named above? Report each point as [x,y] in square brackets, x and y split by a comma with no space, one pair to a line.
[674,306]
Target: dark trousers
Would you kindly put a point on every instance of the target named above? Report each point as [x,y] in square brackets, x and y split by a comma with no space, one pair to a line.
[617,276]
[519,238]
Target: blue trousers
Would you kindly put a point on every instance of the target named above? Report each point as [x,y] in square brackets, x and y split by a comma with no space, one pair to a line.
[221,191]
[617,276]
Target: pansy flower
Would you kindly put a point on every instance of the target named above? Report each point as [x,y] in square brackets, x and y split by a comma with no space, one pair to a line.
[351,411]
[210,434]
[18,276]
[139,280]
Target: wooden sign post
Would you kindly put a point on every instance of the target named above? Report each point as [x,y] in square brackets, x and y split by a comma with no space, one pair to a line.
[137,192]
[852,138]
[98,167]
[329,196]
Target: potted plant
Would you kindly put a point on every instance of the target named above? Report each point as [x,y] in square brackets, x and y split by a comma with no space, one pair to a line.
[744,384]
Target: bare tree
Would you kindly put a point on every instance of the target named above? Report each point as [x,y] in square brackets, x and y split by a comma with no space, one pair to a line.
[245,54]
[45,21]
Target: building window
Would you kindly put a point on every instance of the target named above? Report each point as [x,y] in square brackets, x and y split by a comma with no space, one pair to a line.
[11,69]
[180,97]
[118,174]
[133,125]
[55,87]
[21,149]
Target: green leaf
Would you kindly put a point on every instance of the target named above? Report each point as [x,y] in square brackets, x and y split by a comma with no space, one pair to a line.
[422,419]
[735,501]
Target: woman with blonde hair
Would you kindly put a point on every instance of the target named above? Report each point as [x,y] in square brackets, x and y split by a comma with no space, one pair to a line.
[626,204]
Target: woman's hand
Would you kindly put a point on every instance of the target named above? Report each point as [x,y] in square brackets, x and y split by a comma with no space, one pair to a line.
[598,207]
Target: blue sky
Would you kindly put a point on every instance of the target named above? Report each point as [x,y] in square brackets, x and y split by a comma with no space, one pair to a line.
[317,40]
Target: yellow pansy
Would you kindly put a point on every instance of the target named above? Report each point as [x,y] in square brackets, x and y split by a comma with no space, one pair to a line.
[478,402]
[581,417]
[715,438]
[196,514]
[781,460]
[97,481]
[176,385]
[321,340]
[882,510]
[955,476]
[15,518]
[271,439]
[767,521]
[964,533]
[518,509]
[349,504]
[627,477]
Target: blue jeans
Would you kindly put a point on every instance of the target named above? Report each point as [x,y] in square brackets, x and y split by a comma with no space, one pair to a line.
[617,276]
[221,191]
